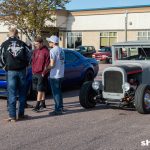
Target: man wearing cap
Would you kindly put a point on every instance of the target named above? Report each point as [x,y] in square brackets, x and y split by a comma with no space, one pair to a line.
[56,67]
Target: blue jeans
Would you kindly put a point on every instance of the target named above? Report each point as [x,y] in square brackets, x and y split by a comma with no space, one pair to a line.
[57,94]
[16,88]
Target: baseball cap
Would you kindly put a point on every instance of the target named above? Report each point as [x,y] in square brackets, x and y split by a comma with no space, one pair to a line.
[53,39]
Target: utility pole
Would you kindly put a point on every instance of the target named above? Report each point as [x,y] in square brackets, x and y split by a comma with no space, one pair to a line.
[126,26]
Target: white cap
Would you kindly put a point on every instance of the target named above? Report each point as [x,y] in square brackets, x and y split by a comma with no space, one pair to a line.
[53,39]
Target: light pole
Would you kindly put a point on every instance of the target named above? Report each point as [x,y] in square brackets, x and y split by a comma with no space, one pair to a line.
[126,25]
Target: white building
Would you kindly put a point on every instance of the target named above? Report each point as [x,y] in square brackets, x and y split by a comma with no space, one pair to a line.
[102,27]
[99,27]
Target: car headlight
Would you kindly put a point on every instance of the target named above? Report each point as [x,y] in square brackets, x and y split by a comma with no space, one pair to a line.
[126,87]
[95,85]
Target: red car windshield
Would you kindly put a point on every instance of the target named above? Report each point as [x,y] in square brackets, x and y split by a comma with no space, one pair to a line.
[105,49]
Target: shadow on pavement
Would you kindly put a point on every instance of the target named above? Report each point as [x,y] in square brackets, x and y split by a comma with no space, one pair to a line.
[70,108]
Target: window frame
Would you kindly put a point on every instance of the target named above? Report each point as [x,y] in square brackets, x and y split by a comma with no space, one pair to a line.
[141,36]
[74,35]
[108,35]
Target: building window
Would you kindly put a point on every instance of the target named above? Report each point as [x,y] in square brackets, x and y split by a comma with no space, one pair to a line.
[74,39]
[107,38]
[143,35]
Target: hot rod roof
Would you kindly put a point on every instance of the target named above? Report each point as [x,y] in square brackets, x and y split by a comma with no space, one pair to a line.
[133,43]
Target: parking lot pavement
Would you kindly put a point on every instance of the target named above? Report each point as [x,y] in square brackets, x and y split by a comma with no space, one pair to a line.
[101,128]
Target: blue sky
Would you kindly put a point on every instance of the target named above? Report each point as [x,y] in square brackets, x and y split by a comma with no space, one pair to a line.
[87,4]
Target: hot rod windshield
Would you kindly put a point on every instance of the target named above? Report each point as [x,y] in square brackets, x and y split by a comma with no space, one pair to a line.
[132,53]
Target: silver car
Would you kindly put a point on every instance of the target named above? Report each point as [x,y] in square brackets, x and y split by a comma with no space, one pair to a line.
[126,83]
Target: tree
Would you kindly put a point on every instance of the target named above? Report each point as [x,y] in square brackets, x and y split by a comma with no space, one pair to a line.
[30,16]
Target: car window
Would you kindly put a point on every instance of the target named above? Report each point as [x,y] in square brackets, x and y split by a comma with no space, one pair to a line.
[105,49]
[93,47]
[102,49]
[90,48]
[108,49]
[70,57]
[81,48]
[133,53]
[85,48]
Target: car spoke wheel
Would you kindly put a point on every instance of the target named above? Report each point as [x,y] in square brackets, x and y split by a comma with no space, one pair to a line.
[87,96]
[142,99]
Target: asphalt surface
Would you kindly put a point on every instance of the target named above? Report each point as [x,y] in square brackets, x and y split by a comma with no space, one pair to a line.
[101,128]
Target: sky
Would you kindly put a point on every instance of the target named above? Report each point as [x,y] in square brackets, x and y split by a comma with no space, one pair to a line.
[89,4]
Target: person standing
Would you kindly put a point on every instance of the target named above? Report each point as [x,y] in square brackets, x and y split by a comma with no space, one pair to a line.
[56,67]
[15,57]
[40,60]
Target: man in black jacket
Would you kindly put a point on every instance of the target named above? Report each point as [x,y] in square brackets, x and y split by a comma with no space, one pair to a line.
[15,57]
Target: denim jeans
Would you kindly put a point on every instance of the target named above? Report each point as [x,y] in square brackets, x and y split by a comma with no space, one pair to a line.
[16,88]
[57,94]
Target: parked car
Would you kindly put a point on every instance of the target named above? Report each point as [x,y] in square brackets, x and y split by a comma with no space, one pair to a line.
[78,69]
[86,50]
[103,54]
[126,83]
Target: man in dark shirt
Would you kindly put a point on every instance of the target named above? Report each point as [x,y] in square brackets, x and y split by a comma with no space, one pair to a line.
[15,57]
[40,60]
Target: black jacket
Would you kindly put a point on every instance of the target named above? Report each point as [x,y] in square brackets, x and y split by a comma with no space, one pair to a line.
[14,54]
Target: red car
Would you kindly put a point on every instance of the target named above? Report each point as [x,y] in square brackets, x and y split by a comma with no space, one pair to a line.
[103,54]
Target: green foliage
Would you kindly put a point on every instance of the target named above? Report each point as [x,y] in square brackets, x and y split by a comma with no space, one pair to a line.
[30,16]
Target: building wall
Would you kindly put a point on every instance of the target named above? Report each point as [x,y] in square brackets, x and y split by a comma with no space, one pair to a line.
[60,22]
[3,37]
[96,22]
[3,28]
[62,38]
[91,39]
[92,22]
[120,36]
[3,32]
[108,22]
[131,36]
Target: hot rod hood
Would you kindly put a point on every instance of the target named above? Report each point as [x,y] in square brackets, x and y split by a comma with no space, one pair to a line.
[130,68]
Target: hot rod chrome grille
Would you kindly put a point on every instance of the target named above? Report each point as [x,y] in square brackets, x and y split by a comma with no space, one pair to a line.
[113,82]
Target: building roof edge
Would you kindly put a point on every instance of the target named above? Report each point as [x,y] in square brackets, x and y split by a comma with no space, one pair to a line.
[107,8]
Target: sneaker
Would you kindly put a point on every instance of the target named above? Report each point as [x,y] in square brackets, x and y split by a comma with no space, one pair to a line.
[35,109]
[63,109]
[42,106]
[23,117]
[55,113]
[10,119]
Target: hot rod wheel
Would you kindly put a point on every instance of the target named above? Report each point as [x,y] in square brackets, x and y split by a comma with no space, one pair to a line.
[87,95]
[142,99]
